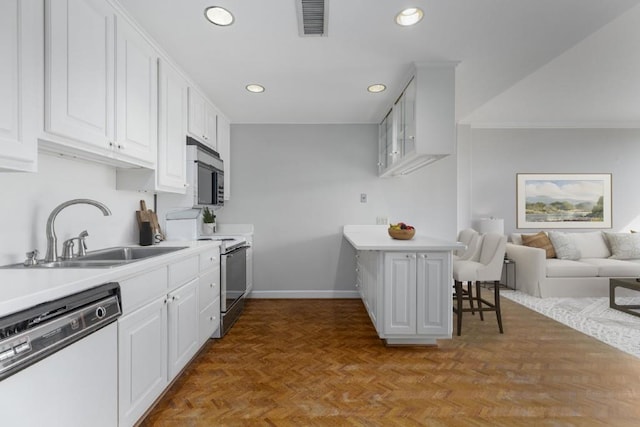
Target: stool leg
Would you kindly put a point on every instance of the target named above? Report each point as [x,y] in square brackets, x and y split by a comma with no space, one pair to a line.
[496,295]
[470,296]
[459,306]
[479,300]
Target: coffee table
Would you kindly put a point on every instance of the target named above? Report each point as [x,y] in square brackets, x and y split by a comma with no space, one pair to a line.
[632,284]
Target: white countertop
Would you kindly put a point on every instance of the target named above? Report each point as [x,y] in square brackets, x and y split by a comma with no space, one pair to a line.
[22,288]
[376,238]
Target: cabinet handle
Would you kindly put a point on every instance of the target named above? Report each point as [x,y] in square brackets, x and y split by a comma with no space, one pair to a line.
[176,297]
[165,301]
[211,285]
[423,256]
[110,144]
[121,146]
[411,256]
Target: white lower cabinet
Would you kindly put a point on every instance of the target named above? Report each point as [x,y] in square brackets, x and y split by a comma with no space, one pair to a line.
[183,326]
[142,376]
[159,331]
[209,295]
[407,294]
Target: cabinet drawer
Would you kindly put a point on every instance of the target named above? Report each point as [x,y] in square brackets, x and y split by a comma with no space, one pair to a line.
[182,271]
[210,259]
[141,289]
[209,287]
[209,321]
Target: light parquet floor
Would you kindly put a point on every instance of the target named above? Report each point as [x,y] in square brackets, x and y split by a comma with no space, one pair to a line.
[320,362]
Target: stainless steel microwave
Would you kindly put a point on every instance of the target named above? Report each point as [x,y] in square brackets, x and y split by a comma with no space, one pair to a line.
[205,172]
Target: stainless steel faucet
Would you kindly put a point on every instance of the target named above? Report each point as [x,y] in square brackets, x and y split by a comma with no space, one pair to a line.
[52,239]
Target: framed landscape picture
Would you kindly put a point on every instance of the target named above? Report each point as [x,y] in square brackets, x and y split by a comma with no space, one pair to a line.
[563,200]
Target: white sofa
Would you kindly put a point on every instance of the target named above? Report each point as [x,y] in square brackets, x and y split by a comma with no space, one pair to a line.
[600,256]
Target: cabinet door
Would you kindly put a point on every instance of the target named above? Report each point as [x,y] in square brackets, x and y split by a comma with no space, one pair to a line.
[399,293]
[209,321]
[196,121]
[384,142]
[224,148]
[409,119]
[211,126]
[183,326]
[142,359]
[171,168]
[80,79]
[434,293]
[21,30]
[137,88]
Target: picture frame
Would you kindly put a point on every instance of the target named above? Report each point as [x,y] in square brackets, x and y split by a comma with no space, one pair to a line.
[569,200]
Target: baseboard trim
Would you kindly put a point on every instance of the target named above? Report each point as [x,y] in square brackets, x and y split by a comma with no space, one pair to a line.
[303,294]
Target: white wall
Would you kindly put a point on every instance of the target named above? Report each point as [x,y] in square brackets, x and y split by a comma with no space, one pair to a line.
[28,198]
[299,184]
[498,155]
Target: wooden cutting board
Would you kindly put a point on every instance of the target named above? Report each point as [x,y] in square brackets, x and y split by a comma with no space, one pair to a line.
[143,214]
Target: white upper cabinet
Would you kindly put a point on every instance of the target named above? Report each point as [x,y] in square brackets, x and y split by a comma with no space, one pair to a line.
[85,39]
[423,122]
[171,171]
[224,148]
[80,76]
[202,122]
[136,94]
[21,51]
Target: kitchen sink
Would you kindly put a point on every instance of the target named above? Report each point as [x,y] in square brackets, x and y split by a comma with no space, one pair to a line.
[105,258]
[127,253]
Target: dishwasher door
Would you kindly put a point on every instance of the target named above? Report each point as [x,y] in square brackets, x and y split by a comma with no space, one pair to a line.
[76,386]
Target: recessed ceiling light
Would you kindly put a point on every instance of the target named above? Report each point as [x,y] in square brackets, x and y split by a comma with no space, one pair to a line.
[376,88]
[409,16]
[219,16]
[255,88]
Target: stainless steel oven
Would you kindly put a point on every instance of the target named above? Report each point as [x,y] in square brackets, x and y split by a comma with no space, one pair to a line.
[233,284]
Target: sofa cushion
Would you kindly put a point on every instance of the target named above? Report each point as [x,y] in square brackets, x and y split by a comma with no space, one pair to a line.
[539,240]
[568,268]
[564,245]
[591,245]
[624,245]
[516,238]
[608,267]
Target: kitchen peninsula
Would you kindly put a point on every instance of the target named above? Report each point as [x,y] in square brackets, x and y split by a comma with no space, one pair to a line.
[406,285]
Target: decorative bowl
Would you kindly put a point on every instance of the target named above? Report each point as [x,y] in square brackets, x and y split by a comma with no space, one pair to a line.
[401,234]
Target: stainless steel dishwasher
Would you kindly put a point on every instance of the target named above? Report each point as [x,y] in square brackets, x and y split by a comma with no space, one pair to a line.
[58,361]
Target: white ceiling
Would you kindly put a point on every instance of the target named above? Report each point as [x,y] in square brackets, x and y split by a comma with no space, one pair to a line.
[500,45]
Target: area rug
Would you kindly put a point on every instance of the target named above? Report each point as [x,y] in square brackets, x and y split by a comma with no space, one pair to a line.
[591,316]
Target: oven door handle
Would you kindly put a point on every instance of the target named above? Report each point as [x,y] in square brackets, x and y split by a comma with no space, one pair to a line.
[238,249]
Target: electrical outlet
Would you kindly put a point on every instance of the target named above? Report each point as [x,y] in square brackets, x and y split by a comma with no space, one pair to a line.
[382,220]
[363,197]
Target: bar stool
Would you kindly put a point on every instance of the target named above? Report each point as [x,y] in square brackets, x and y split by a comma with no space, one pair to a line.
[488,268]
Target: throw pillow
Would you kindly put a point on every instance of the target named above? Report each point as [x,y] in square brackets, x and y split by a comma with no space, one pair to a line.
[624,245]
[564,245]
[591,244]
[540,240]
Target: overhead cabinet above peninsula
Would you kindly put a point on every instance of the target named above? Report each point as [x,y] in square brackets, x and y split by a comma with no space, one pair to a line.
[420,127]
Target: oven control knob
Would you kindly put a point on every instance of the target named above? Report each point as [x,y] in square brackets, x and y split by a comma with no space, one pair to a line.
[101,312]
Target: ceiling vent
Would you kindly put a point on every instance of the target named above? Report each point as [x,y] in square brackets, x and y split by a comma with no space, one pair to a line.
[312,17]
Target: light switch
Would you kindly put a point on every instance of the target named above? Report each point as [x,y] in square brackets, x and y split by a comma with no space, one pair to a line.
[363,197]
